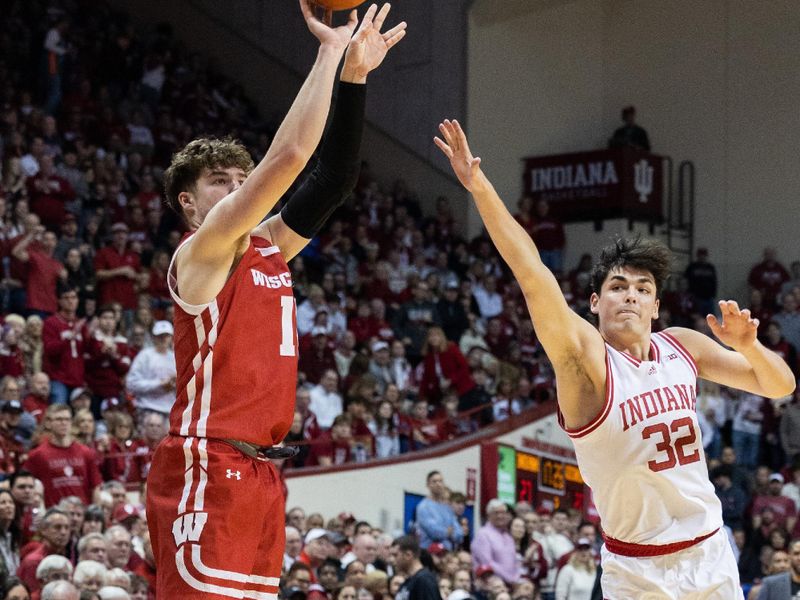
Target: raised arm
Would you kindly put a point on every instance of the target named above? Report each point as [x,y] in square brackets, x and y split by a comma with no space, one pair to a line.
[336,172]
[748,365]
[223,228]
[564,335]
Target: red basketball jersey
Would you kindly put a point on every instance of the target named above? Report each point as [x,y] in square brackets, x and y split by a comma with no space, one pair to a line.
[236,356]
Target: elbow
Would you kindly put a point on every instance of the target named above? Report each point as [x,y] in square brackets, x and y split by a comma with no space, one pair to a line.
[294,157]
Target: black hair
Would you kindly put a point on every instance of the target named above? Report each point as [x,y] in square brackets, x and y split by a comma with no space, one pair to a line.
[637,253]
[408,543]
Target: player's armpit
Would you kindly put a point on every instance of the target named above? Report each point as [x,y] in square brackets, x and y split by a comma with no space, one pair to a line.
[284,237]
[202,270]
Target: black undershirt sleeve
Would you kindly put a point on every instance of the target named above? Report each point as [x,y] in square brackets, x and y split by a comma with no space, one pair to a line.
[336,173]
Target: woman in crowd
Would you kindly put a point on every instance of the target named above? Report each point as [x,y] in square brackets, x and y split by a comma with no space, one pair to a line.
[9,535]
[122,462]
[16,590]
[384,428]
[520,536]
[576,579]
[444,366]
[83,427]
[32,344]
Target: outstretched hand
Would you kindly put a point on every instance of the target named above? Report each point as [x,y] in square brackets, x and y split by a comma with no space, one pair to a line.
[455,147]
[369,46]
[738,329]
[335,37]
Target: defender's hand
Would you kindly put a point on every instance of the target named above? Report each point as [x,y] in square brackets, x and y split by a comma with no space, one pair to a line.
[334,37]
[738,329]
[369,46]
[455,147]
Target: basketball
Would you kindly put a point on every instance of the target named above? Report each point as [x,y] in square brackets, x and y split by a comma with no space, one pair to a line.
[339,4]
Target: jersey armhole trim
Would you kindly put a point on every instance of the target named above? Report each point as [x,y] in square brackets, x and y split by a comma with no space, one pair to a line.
[191,309]
[672,341]
[601,416]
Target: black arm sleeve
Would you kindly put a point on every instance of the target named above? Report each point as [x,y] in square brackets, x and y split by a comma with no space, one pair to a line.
[336,172]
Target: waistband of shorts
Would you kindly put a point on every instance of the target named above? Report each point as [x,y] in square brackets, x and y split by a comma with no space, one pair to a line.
[645,550]
[263,452]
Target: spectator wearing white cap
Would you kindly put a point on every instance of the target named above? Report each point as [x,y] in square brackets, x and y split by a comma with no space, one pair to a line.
[318,547]
[782,507]
[380,365]
[151,378]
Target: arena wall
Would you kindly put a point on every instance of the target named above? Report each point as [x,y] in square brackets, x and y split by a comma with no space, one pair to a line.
[714,82]
[375,492]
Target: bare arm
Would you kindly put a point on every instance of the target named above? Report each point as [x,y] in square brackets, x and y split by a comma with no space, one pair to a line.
[336,172]
[570,342]
[748,366]
[205,261]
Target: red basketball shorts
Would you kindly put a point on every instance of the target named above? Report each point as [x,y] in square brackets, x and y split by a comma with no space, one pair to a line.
[216,520]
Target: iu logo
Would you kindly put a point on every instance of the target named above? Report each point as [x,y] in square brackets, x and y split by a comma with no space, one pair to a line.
[231,474]
[188,527]
[643,179]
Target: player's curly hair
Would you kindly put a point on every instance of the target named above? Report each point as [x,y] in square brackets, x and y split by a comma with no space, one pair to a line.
[203,153]
[636,253]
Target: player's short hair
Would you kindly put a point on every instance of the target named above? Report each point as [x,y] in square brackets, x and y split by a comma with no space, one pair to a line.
[431,474]
[203,153]
[636,253]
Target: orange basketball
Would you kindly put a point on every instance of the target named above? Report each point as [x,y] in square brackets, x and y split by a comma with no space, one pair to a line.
[339,4]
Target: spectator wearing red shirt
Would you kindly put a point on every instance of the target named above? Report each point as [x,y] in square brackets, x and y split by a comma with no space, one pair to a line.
[54,531]
[768,276]
[64,336]
[548,234]
[107,356]
[44,270]
[10,448]
[160,297]
[64,466]
[335,447]
[123,461]
[774,340]
[317,357]
[12,358]
[118,271]
[781,506]
[48,193]
[443,367]
[38,398]
[417,430]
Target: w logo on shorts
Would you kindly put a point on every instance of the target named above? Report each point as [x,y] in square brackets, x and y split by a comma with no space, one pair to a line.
[188,527]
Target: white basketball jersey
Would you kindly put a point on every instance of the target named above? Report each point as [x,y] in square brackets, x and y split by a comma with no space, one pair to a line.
[643,456]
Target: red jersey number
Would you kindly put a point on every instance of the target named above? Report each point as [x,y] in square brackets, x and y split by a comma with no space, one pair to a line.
[676,452]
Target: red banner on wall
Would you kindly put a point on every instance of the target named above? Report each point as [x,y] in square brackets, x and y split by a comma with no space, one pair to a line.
[593,186]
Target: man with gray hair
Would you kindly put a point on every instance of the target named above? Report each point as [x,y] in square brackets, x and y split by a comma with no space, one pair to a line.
[60,590]
[119,548]
[53,568]
[112,592]
[93,546]
[365,549]
[89,575]
[54,531]
[293,547]
[493,545]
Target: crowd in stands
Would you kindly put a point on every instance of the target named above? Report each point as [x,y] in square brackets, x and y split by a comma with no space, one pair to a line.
[410,335]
